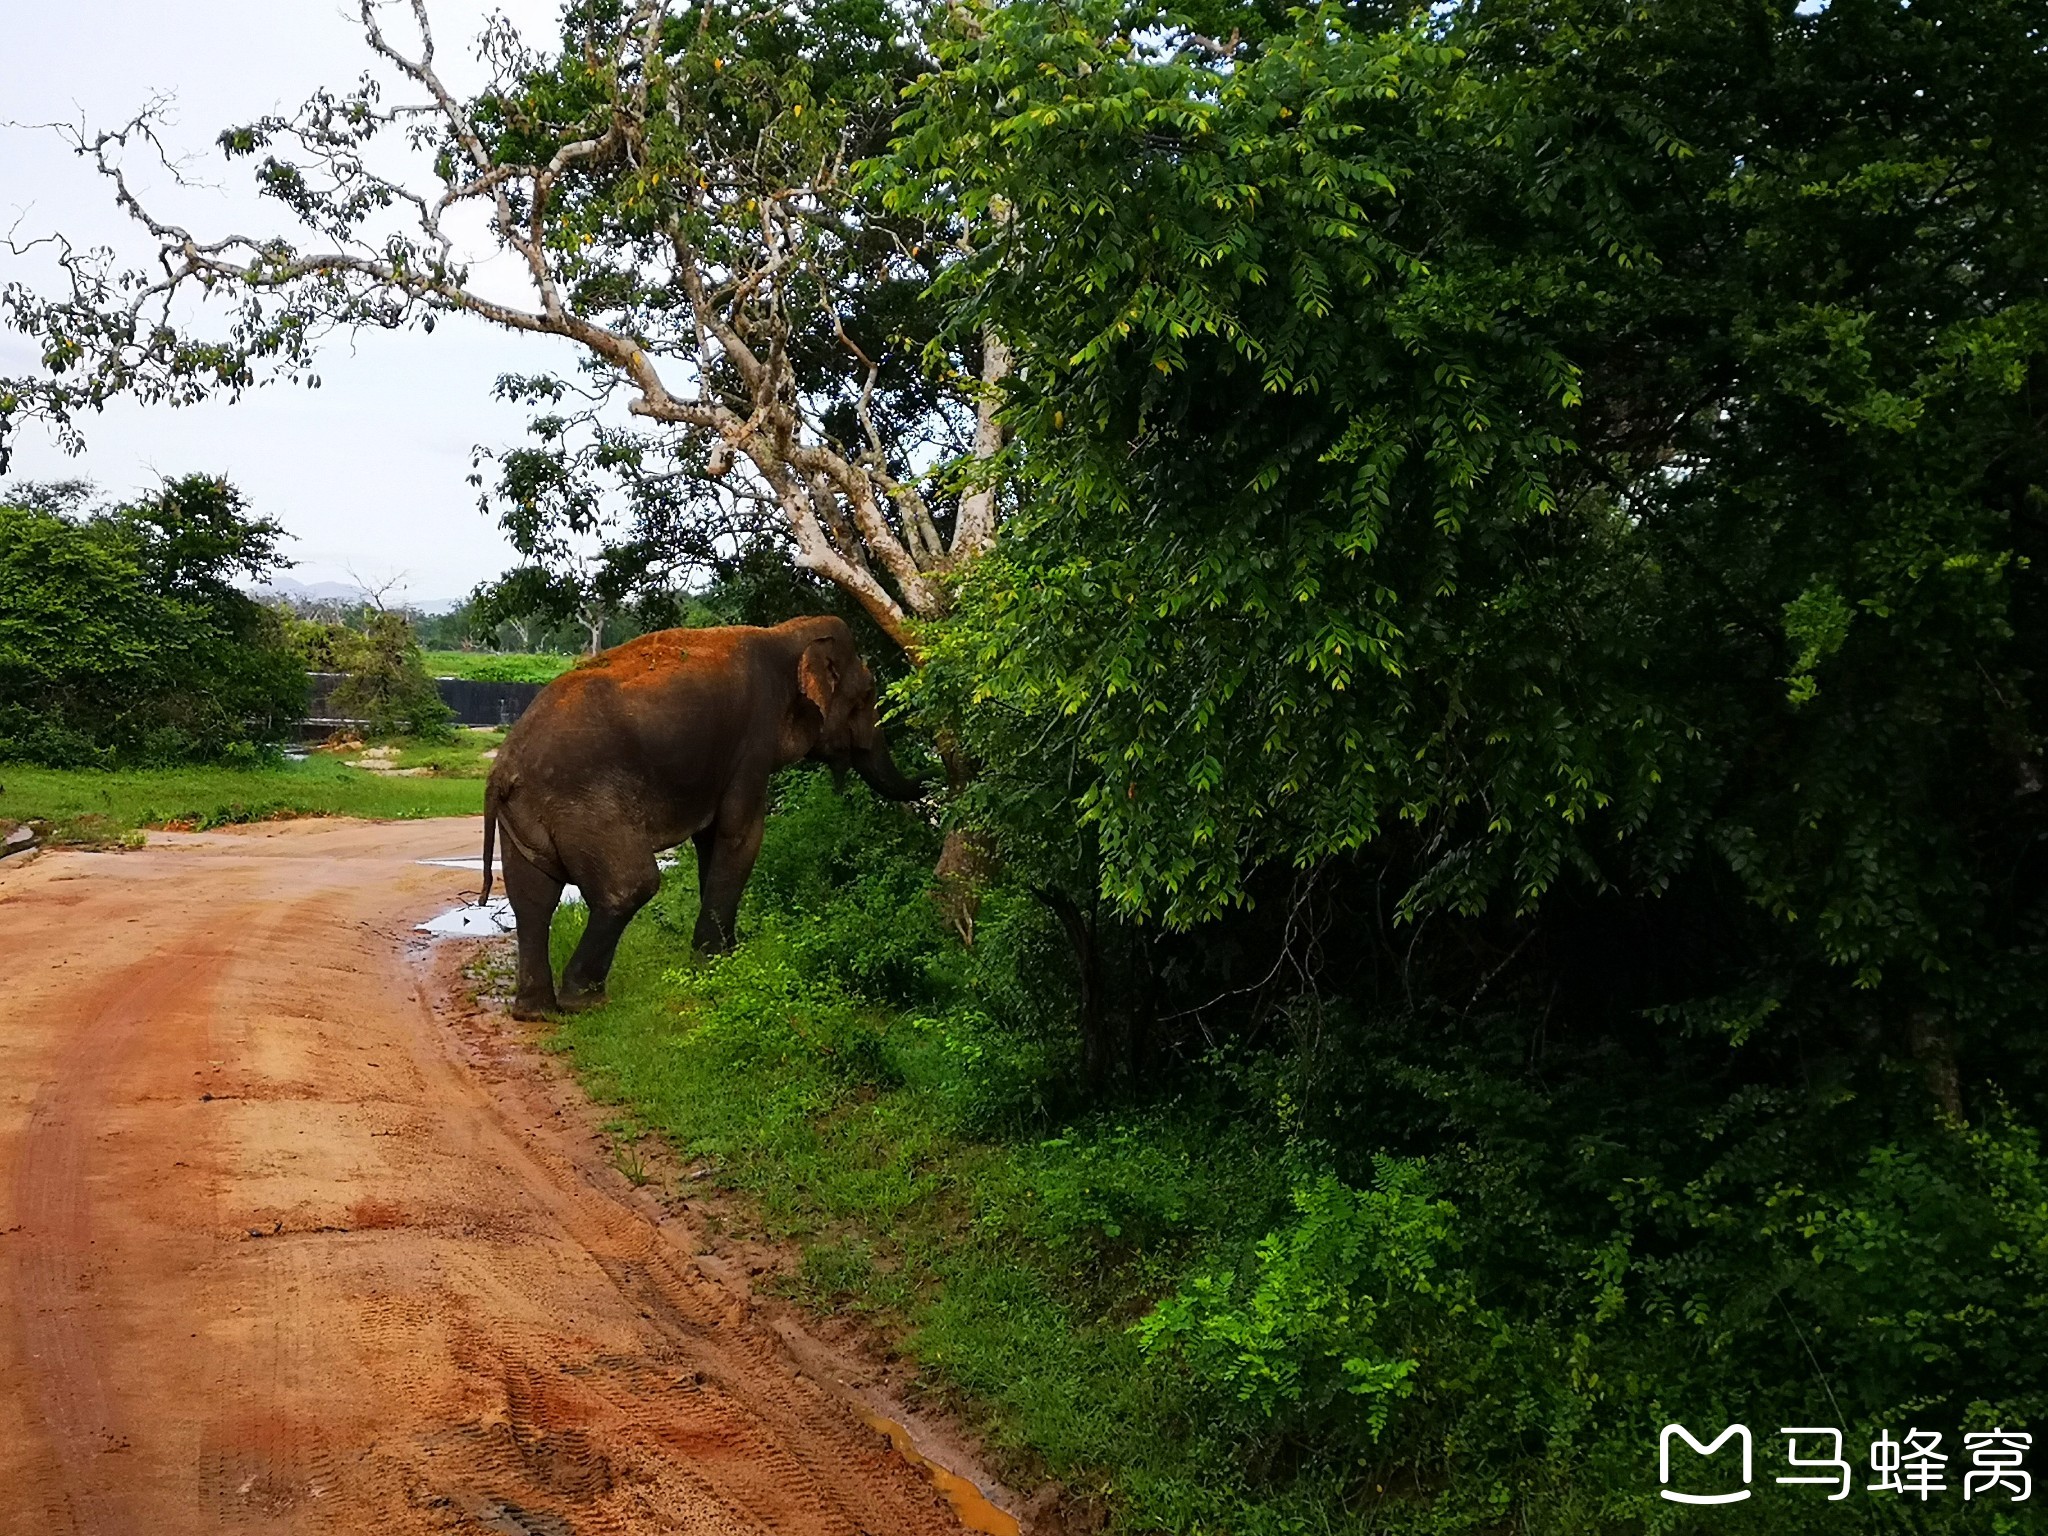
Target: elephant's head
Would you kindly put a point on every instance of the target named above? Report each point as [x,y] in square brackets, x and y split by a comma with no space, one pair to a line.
[834,680]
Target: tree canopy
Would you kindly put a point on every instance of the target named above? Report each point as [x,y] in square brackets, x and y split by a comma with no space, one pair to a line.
[1569,441]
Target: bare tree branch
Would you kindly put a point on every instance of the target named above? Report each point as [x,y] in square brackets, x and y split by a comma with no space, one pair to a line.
[679,249]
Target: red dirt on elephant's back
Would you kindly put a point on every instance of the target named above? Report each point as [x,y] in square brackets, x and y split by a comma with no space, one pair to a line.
[651,657]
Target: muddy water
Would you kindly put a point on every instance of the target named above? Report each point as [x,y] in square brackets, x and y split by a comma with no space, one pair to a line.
[472,920]
[969,1502]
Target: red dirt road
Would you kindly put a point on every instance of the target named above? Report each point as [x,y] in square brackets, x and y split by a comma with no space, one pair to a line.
[287,1244]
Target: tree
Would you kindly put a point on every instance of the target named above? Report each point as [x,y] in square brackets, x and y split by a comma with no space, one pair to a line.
[679,191]
[1596,443]
[556,597]
[386,683]
[122,638]
[1529,593]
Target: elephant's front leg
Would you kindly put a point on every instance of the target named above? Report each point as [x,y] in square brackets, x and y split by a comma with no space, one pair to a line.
[726,851]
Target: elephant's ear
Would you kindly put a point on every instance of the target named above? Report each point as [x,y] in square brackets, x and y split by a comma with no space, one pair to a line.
[817,674]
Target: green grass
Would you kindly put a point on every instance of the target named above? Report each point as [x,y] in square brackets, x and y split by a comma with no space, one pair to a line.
[1006,1249]
[86,805]
[498,666]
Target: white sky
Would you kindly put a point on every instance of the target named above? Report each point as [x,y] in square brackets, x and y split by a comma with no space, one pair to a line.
[369,471]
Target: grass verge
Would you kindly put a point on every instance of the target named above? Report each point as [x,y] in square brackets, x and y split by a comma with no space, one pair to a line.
[92,806]
[467,754]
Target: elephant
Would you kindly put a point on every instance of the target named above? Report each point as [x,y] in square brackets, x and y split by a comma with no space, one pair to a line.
[670,736]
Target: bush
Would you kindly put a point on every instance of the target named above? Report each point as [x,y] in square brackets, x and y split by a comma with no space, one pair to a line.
[1327,1328]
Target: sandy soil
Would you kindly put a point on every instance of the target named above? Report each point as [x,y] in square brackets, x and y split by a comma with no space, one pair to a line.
[292,1241]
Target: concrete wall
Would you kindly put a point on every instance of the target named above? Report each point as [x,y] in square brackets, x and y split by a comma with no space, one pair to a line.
[477,703]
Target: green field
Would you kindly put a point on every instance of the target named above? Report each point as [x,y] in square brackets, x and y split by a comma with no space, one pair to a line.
[85,805]
[497,666]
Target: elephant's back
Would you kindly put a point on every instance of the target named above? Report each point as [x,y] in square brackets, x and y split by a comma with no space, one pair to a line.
[622,710]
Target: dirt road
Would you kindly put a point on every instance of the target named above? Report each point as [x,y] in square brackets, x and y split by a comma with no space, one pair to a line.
[287,1243]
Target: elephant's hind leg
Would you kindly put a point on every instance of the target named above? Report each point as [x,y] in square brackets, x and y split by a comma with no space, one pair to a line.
[534,895]
[619,887]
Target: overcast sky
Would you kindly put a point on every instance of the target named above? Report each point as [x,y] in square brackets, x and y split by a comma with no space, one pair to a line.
[368,472]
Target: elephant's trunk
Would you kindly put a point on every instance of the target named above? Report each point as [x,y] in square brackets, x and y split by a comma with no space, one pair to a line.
[881,774]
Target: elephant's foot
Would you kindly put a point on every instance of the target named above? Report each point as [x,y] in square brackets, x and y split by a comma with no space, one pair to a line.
[712,935]
[534,1010]
[579,1001]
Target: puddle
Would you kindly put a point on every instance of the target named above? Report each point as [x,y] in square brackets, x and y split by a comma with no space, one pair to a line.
[493,919]
[475,862]
[969,1502]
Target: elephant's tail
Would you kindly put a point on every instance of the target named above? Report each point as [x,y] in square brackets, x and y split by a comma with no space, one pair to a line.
[490,838]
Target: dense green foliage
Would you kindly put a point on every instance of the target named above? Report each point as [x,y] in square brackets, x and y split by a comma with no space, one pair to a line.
[1526,618]
[121,638]
[1598,439]
[1173,1305]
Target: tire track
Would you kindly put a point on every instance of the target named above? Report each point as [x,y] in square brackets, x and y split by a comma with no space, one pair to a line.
[279,1259]
[55,1268]
[266,1455]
